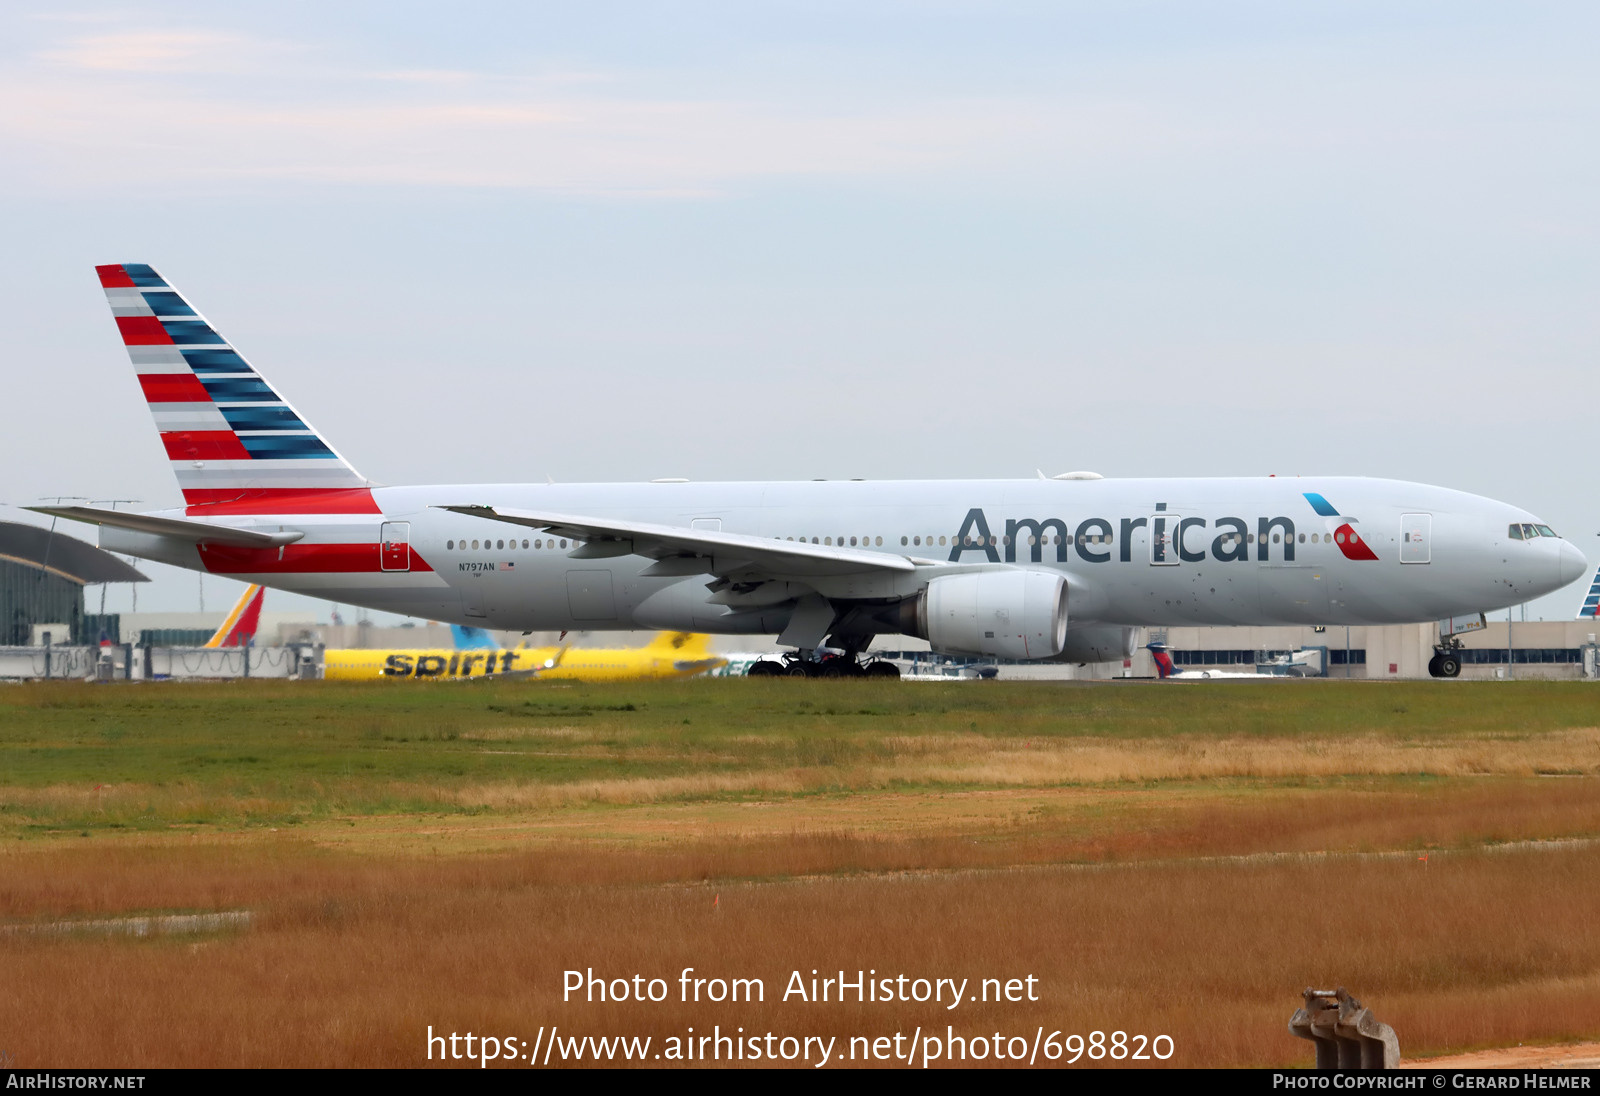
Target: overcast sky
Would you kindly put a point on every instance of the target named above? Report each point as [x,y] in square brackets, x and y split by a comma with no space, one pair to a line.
[779,241]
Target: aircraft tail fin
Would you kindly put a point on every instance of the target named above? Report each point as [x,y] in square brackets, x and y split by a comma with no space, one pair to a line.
[680,644]
[242,621]
[236,445]
[1591,602]
[1164,664]
[469,638]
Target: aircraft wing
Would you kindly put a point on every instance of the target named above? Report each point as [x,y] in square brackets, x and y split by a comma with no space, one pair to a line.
[678,550]
[200,532]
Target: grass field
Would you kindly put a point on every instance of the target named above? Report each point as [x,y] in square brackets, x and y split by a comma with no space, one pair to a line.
[1166,860]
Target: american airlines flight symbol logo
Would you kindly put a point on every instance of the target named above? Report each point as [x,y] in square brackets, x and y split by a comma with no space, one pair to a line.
[1341,529]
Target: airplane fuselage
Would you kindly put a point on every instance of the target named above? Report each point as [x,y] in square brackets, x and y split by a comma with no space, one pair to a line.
[1065,568]
[1133,551]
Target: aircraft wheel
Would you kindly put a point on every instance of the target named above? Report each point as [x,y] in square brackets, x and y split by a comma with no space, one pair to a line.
[1449,666]
[764,668]
[1433,667]
[798,669]
[834,667]
[884,669]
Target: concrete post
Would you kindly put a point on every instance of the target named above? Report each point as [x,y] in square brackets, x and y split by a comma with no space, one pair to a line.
[1346,1034]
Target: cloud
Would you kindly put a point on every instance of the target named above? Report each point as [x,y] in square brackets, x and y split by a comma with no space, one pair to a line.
[206,110]
[154,52]
[165,108]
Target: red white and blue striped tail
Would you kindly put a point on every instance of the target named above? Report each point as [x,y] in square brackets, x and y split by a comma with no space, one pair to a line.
[236,446]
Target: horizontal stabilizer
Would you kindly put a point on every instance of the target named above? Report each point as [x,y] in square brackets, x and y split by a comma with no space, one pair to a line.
[667,541]
[198,532]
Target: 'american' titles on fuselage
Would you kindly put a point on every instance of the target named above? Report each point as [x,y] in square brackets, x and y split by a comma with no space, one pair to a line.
[1094,538]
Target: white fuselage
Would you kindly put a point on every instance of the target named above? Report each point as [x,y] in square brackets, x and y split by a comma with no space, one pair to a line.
[1133,551]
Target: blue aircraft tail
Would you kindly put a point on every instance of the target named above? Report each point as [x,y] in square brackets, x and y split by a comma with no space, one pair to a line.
[472,639]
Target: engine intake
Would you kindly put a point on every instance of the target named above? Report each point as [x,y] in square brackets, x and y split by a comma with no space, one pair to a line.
[1014,613]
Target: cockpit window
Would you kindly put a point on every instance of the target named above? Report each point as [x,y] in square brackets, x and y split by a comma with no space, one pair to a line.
[1546,531]
[1528,531]
[1514,532]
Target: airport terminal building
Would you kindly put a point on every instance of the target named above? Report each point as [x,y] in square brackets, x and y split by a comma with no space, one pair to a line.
[1545,649]
[42,580]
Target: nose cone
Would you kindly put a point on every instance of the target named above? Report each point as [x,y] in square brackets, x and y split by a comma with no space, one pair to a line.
[1573,566]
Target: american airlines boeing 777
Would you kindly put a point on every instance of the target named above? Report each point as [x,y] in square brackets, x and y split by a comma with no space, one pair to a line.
[1064,569]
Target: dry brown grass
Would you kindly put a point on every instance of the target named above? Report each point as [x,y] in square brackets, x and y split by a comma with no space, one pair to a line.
[789,834]
[355,956]
[1153,879]
[976,759]
[936,782]
[945,760]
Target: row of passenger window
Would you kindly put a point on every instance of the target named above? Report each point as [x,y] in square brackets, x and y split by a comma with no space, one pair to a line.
[970,542]
[499,545]
[1003,541]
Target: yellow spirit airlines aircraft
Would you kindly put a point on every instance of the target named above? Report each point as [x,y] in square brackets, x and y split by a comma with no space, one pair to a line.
[670,655]
[972,566]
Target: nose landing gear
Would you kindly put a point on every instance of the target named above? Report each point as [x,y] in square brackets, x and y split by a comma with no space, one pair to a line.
[1446,662]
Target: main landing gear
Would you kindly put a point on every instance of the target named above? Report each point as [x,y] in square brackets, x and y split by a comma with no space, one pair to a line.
[831,666]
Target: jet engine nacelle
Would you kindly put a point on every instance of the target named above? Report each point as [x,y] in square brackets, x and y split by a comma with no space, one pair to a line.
[1014,613]
[1099,643]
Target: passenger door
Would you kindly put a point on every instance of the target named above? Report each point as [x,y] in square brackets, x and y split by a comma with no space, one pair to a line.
[1164,539]
[394,546]
[1416,538]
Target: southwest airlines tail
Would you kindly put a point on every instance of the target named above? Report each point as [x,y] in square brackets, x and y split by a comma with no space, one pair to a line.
[235,445]
[242,621]
[1591,604]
